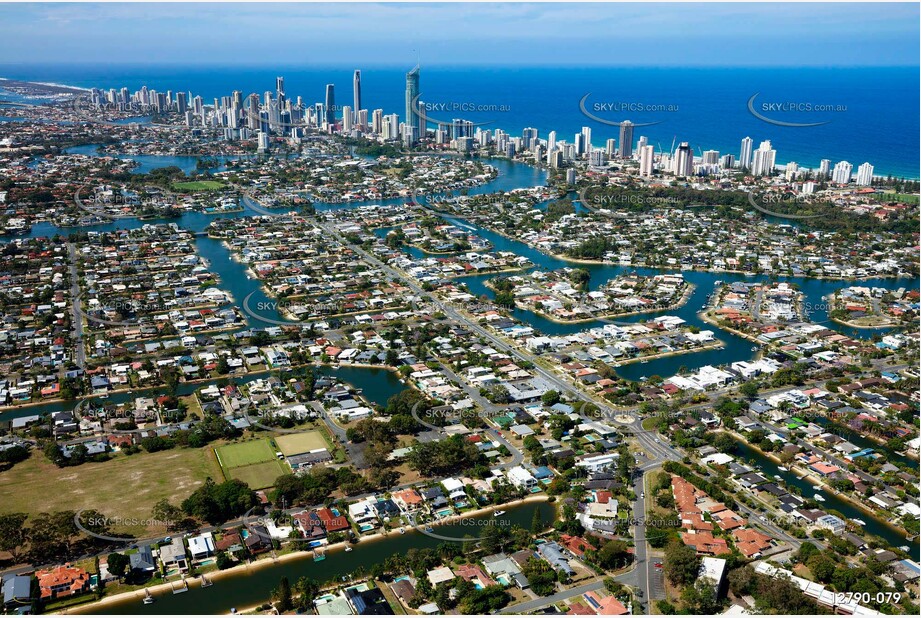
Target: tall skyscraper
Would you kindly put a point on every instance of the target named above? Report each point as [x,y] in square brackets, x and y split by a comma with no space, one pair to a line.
[824,169]
[626,140]
[587,139]
[683,163]
[646,160]
[181,106]
[551,141]
[865,175]
[842,172]
[252,115]
[610,148]
[279,86]
[763,159]
[641,143]
[346,119]
[377,121]
[745,154]
[528,137]
[412,100]
[710,157]
[330,106]
[356,92]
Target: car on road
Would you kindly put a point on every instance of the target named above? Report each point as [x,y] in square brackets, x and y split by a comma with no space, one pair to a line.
[658,565]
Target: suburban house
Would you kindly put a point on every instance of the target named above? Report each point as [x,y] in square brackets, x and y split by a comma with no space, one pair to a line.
[173,555]
[62,581]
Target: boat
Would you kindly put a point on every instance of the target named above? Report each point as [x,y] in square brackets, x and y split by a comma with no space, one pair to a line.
[859,521]
[643,362]
[348,548]
[819,498]
[754,348]
[205,582]
[905,548]
[185,588]
[429,529]
[497,513]
[402,530]
[148,598]
[778,477]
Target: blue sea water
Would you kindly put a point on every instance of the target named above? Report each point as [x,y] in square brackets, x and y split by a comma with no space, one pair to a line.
[873,117]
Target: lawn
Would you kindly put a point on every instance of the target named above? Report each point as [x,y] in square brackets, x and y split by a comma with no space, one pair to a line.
[296,443]
[198,185]
[245,453]
[260,475]
[125,487]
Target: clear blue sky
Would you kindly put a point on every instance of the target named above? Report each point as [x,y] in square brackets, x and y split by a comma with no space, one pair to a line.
[816,34]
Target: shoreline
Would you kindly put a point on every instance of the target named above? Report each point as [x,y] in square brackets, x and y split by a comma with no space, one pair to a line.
[682,301]
[120,391]
[240,569]
[809,478]
[703,315]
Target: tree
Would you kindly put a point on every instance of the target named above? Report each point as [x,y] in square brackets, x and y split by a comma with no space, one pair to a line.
[537,522]
[13,534]
[168,514]
[224,561]
[613,555]
[822,567]
[217,503]
[282,596]
[682,565]
[307,590]
[550,398]
[749,389]
[118,564]
[724,443]
[541,576]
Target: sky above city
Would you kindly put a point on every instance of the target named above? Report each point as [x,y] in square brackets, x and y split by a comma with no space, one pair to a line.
[507,34]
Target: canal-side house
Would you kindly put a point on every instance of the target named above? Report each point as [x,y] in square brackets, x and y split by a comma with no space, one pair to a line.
[62,581]
[173,556]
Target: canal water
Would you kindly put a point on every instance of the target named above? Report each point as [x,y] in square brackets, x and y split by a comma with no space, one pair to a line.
[510,176]
[254,587]
[874,526]
[378,385]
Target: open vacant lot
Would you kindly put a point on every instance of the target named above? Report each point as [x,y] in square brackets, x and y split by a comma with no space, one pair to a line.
[296,443]
[260,475]
[245,453]
[125,487]
[198,185]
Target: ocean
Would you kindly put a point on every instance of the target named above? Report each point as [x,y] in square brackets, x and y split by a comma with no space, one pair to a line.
[869,114]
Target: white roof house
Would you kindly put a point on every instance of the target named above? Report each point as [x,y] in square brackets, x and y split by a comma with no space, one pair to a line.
[519,477]
[201,546]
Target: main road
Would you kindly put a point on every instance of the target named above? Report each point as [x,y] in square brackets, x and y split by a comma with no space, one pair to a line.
[77,303]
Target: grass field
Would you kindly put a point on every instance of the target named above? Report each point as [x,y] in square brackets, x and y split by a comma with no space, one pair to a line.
[296,443]
[905,198]
[245,453]
[126,487]
[198,185]
[260,475]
